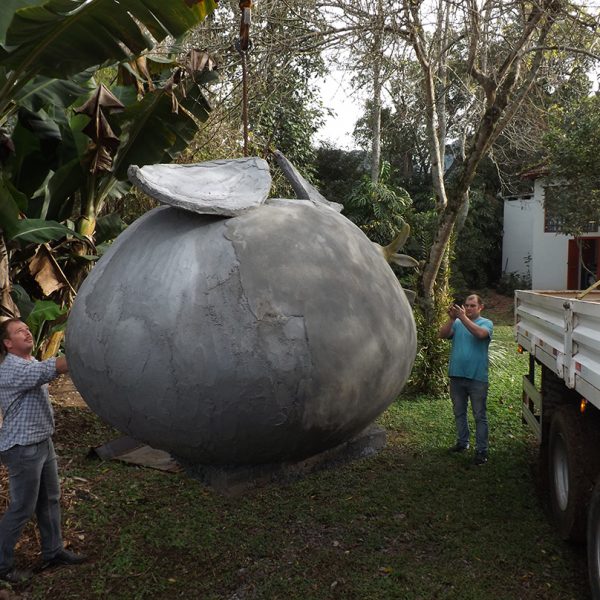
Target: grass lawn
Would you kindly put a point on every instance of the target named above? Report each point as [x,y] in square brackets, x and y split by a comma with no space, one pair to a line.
[413,522]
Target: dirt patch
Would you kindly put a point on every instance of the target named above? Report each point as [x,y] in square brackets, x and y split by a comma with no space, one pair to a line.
[498,308]
[64,393]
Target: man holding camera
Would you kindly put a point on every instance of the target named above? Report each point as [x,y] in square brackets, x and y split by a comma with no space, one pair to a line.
[470,334]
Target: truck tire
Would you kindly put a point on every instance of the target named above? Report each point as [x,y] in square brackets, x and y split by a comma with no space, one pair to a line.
[555,393]
[593,543]
[572,462]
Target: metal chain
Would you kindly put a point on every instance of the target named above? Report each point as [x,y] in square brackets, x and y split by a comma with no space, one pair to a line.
[244,45]
[245,101]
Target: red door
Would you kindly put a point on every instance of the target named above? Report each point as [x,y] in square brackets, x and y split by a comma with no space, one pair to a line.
[573,266]
[583,266]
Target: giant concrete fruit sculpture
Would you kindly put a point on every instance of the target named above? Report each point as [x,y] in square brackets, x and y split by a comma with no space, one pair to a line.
[265,337]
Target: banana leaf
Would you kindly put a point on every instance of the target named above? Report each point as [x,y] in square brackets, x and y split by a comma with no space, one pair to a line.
[36,139]
[38,231]
[153,133]
[22,300]
[12,202]
[63,37]
[44,311]
[59,192]
[108,228]
[58,94]
[8,9]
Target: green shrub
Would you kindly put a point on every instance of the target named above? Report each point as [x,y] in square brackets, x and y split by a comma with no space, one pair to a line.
[509,282]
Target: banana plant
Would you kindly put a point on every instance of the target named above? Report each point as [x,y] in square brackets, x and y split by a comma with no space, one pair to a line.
[57,39]
[49,48]
[49,51]
[154,128]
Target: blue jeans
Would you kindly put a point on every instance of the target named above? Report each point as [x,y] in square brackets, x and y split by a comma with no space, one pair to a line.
[34,489]
[461,389]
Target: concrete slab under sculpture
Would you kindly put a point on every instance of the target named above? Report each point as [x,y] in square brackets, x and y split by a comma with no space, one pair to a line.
[217,187]
[267,337]
[236,480]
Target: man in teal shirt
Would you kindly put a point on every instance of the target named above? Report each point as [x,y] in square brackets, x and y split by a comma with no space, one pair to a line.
[471,335]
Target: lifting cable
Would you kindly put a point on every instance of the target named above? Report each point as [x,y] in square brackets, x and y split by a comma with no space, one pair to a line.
[243,45]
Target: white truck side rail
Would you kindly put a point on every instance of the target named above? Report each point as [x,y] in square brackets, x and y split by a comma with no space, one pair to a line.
[563,333]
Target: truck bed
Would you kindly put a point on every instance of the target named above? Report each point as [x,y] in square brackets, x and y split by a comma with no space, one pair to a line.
[563,333]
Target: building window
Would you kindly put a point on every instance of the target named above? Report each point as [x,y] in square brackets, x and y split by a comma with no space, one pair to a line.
[558,217]
[552,224]
[555,224]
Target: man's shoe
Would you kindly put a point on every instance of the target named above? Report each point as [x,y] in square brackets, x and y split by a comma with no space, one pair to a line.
[16,576]
[480,458]
[459,448]
[64,557]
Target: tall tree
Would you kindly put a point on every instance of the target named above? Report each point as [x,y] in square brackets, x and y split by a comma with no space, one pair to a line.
[487,55]
[364,47]
[377,63]
[479,65]
[506,45]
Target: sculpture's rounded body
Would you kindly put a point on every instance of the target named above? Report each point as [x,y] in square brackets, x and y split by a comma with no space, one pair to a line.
[266,337]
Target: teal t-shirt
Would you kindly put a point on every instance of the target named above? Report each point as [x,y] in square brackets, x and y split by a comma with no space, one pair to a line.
[469,354]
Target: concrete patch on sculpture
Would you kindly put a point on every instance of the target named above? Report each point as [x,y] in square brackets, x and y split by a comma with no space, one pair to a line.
[270,336]
[216,187]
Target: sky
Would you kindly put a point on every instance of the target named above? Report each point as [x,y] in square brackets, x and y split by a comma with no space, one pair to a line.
[338,96]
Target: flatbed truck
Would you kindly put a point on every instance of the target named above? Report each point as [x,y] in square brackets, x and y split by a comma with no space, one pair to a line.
[560,330]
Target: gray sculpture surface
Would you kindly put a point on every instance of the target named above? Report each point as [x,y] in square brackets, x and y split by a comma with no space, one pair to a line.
[269,336]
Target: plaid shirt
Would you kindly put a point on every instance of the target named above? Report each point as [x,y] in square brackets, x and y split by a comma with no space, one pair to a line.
[26,410]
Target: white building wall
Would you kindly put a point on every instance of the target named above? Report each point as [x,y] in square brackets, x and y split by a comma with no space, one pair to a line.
[527,249]
[517,241]
[550,250]
[524,237]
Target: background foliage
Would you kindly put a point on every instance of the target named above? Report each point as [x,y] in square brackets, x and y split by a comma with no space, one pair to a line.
[572,142]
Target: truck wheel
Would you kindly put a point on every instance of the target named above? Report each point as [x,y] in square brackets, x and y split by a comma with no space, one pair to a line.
[593,545]
[555,394]
[572,468]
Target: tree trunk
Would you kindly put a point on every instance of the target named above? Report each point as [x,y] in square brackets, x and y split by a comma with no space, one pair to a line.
[376,143]
[86,226]
[377,85]
[442,80]
[436,254]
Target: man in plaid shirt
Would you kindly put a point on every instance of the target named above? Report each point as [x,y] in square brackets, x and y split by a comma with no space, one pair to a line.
[27,451]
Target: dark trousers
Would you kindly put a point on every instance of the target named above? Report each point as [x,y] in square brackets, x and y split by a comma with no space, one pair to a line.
[461,390]
[34,489]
